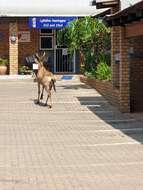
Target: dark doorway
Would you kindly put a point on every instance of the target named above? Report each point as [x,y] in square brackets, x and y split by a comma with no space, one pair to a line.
[136,84]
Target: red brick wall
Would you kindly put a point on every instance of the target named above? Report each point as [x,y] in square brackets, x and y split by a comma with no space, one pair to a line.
[4,39]
[105,88]
[27,48]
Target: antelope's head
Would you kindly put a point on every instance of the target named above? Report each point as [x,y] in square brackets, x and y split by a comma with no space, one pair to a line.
[39,59]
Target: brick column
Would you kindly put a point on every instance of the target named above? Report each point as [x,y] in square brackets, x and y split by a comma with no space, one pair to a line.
[124,73]
[13,49]
[115,49]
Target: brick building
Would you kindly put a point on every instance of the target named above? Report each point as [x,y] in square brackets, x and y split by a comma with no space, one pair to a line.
[126,55]
[14,24]
[19,41]
[28,41]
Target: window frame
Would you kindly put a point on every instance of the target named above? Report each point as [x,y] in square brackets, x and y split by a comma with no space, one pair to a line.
[41,44]
[46,34]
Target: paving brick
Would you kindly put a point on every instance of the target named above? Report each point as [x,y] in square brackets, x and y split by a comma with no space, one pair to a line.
[82,143]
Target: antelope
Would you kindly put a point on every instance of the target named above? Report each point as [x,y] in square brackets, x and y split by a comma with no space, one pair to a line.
[45,78]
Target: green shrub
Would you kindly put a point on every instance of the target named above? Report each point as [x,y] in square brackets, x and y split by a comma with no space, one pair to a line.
[3,61]
[24,69]
[90,74]
[103,71]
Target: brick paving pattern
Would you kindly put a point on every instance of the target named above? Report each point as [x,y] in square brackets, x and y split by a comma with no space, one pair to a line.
[83,143]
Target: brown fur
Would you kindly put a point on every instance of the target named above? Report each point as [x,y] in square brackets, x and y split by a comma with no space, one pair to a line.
[45,79]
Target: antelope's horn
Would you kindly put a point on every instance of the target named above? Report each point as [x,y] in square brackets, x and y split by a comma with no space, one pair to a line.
[43,55]
[37,55]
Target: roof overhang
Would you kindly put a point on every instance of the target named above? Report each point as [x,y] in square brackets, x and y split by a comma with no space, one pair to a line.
[127,16]
[103,14]
[104,3]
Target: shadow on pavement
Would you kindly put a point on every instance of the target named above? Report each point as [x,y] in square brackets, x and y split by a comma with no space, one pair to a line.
[76,87]
[109,114]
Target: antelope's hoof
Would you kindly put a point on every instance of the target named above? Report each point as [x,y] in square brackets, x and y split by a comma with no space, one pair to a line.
[45,105]
[49,106]
[37,102]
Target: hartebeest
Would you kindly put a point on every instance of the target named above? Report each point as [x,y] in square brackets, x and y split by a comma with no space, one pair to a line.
[45,78]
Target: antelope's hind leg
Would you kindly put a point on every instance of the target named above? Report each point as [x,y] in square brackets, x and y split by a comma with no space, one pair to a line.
[48,96]
[46,103]
[42,93]
[38,100]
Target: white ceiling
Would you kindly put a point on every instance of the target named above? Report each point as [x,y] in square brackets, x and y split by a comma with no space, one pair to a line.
[52,7]
[47,8]
[127,3]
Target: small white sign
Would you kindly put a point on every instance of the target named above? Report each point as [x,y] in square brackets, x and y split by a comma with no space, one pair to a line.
[24,36]
[35,66]
[65,51]
[117,57]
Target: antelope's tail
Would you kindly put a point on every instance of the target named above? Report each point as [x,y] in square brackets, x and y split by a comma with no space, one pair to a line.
[53,84]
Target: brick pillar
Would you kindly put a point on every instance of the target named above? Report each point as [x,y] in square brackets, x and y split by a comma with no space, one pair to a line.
[124,73]
[115,49]
[13,49]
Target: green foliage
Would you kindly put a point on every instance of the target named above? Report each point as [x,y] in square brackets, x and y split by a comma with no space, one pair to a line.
[3,61]
[103,70]
[88,35]
[90,74]
[24,69]
[59,37]
[90,58]
[92,38]
[83,32]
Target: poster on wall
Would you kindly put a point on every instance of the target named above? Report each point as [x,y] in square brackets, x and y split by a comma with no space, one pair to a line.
[24,36]
[50,22]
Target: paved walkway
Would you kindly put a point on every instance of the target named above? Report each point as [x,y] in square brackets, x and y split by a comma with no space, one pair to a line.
[83,143]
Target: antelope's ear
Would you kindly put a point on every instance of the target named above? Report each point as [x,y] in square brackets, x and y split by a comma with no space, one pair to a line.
[43,56]
[36,60]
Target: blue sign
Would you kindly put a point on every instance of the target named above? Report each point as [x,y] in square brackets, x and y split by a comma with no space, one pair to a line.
[50,22]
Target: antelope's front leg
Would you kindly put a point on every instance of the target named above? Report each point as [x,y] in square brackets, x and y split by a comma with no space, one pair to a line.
[38,100]
[41,96]
[50,97]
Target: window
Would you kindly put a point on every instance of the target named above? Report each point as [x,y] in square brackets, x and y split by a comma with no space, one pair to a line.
[46,42]
[46,39]
[46,32]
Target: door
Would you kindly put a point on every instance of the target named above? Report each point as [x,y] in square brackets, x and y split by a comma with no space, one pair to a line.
[64,62]
[136,90]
